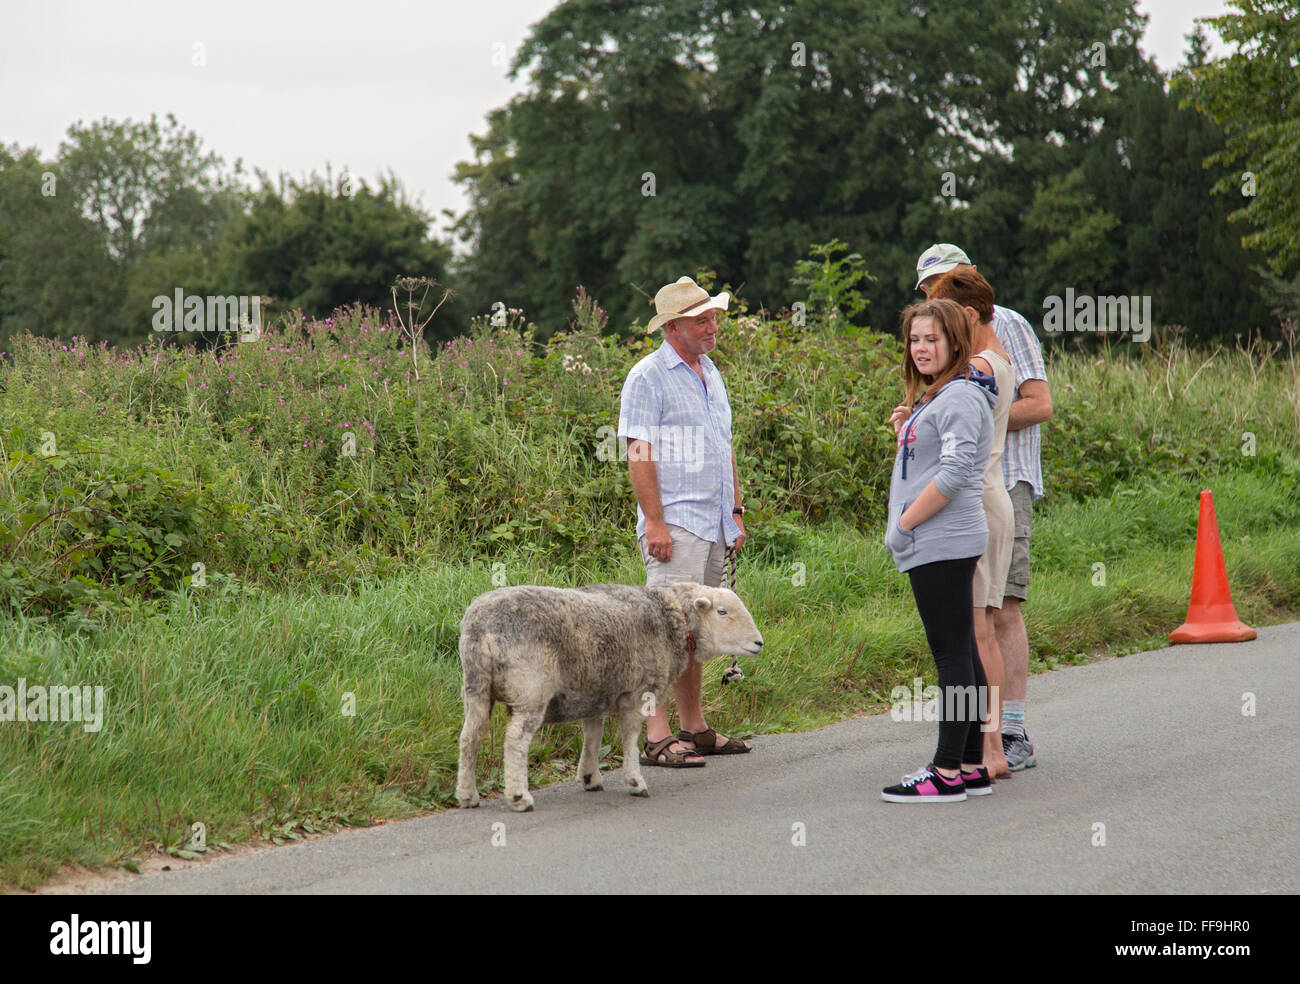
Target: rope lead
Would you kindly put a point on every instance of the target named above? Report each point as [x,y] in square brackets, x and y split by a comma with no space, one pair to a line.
[732,674]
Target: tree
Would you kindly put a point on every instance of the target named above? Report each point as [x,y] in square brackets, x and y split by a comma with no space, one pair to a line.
[1081,249]
[1255,95]
[158,202]
[601,176]
[139,210]
[55,278]
[654,140]
[1173,240]
[319,244]
[147,186]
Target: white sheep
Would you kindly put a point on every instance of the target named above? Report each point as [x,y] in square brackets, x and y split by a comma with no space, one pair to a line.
[578,654]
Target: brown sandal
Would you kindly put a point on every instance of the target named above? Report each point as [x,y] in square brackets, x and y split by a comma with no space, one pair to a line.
[734,746]
[671,759]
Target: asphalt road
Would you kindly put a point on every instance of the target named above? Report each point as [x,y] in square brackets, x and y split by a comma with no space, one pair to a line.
[1194,796]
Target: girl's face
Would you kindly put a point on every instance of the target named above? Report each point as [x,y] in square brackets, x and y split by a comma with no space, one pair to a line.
[928,346]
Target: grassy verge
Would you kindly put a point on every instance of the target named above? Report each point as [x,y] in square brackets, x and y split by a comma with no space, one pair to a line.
[228,706]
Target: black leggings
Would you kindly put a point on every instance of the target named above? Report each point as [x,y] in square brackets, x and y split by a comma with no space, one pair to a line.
[943,597]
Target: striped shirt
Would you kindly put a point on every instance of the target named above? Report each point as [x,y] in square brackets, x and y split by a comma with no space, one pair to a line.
[1020,458]
[687,422]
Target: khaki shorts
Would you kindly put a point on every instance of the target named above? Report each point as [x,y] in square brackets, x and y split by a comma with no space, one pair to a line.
[990,582]
[1022,504]
[692,559]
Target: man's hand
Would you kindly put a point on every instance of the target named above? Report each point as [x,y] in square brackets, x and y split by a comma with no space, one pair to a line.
[658,541]
[740,539]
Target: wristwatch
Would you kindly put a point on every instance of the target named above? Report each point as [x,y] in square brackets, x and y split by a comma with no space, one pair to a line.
[738,511]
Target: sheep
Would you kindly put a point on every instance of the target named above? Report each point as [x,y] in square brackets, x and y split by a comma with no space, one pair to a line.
[578,654]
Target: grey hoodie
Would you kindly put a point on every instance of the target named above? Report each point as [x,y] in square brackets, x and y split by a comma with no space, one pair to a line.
[947,439]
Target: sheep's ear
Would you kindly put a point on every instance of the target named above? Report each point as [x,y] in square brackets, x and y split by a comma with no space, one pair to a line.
[703,604]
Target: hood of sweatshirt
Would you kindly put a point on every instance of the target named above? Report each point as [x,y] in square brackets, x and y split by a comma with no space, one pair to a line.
[987,384]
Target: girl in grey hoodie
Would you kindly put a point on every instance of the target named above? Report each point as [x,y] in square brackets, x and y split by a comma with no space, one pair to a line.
[937,532]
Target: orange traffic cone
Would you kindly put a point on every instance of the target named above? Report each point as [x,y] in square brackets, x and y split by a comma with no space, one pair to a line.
[1211,616]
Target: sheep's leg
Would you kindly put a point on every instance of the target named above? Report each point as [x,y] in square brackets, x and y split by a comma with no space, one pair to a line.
[629,723]
[519,735]
[478,713]
[593,730]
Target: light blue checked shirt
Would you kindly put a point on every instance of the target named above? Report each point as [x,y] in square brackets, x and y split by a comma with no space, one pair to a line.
[1021,456]
[688,426]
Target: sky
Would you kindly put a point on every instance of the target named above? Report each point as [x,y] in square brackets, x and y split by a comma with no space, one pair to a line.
[389,85]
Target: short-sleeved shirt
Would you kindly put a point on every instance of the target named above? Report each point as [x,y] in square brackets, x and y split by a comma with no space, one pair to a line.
[687,422]
[1021,457]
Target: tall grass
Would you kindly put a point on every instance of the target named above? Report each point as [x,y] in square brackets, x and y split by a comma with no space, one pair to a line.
[298,456]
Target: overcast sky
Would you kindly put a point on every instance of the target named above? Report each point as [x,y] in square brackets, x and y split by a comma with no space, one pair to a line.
[293,86]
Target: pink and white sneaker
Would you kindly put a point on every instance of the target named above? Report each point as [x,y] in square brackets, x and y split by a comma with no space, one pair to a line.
[978,782]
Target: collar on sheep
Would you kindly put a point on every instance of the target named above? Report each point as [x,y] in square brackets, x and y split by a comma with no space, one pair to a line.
[690,636]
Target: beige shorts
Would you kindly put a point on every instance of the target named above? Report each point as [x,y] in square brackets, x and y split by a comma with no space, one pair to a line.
[692,559]
[991,572]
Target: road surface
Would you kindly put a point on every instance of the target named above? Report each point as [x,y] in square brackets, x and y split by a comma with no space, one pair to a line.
[1150,779]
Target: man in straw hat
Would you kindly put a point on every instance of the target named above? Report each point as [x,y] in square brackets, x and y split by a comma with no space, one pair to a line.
[676,420]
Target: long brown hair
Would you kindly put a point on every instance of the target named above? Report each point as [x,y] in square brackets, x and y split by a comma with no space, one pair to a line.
[955,325]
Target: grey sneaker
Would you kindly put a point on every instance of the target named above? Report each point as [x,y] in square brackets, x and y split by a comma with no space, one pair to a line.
[1019,753]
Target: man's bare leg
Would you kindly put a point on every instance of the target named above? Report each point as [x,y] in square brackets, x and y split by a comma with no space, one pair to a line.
[1013,641]
[688,690]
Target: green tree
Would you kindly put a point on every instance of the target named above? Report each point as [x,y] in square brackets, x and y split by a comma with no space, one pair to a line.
[1081,249]
[605,174]
[147,186]
[765,126]
[322,243]
[158,202]
[1254,94]
[55,277]
[1173,240]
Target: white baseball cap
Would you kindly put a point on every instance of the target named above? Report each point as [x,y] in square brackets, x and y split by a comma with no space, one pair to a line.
[940,258]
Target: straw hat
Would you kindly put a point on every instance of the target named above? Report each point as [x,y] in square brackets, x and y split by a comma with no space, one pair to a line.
[684,299]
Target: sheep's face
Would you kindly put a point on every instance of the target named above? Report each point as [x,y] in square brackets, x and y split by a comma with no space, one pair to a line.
[726,627]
